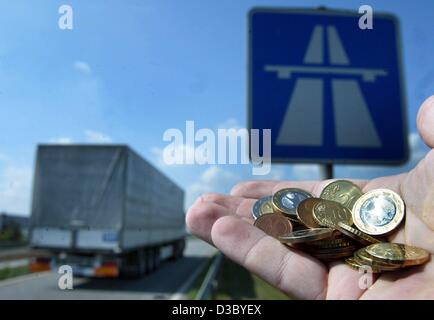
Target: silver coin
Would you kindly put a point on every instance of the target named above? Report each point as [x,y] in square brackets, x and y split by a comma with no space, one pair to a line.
[287,200]
[307,235]
[378,211]
[262,206]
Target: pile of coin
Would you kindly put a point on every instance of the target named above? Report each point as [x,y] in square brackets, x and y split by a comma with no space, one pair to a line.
[343,223]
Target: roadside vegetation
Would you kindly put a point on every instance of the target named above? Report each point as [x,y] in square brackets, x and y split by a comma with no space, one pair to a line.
[235,282]
[7,273]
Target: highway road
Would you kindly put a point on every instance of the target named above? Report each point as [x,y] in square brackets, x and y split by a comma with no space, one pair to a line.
[168,282]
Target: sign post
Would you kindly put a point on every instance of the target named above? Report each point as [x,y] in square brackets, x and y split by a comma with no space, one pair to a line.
[329,91]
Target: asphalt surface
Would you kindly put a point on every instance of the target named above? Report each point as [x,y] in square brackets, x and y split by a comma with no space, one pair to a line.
[167,282]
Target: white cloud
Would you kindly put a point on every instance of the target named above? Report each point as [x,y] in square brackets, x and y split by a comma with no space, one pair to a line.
[15,188]
[82,67]
[61,140]
[97,137]
[230,123]
[213,179]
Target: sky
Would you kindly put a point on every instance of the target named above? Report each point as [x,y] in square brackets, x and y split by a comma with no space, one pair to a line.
[130,70]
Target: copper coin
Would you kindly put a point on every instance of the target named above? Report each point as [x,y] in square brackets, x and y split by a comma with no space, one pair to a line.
[356,234]
[274,224]
[305,212]
[307,235]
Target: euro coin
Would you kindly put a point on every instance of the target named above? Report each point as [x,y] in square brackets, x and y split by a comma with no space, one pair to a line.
[307,235]
[333,254]
[396,253]
[355,234]
[365,258]
[378,211]
[285,201]
[356,265]
[262,206]
[332,243]
[274,224]
[343,191]
[328,213]
[305,212]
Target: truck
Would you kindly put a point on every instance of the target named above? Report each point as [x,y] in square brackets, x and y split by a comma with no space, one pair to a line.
[104,211]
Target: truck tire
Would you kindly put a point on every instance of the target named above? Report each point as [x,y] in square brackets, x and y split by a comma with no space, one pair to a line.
[148,261]
[157,257]
[175,251]
[181,248]
[153,259]
[141,262]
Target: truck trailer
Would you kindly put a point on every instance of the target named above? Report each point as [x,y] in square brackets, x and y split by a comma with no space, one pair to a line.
[104,211]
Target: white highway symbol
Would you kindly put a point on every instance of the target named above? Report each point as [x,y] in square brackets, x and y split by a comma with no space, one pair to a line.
[303,121]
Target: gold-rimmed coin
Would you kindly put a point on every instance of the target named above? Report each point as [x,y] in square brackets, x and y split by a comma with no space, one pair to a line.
[343,191]
[396,253]
[286,200]
[262,206]
[333,256]
[328,213]
[274,224]
[331,243]
[306,235]
[356,265]
[378,211]
[365,258]
[305,212]
[355,234]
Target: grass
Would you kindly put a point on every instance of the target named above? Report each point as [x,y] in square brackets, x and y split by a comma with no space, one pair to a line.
[235,282]
[192,292]
[7,273]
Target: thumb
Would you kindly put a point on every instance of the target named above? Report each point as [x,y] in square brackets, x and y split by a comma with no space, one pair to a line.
[425,121]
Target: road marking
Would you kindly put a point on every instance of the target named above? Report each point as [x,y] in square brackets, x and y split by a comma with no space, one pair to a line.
[351,112]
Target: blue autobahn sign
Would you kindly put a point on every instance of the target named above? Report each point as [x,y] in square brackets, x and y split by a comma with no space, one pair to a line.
[330,91]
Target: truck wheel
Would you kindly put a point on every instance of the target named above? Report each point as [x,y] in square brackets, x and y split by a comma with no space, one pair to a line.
[141,262]
[181,248]
[148,260]
[157,257]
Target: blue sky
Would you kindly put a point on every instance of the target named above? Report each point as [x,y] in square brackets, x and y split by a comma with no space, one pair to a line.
[129,70]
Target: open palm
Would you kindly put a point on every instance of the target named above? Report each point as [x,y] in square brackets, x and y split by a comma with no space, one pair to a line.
[225,221]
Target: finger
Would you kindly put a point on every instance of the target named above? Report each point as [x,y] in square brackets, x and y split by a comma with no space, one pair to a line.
[229,202]
[390,182]
[254,189]
[235,205]
[425,120]
[313,187]
[305,185]
[346,283]
[201,216]
[293,272]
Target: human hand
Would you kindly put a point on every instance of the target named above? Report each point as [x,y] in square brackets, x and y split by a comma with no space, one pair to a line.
[226,222]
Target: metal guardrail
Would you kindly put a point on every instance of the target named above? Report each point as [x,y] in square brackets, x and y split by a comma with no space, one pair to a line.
[209,283]
[22,254]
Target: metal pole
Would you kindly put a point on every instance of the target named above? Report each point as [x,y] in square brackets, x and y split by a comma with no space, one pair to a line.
[327,171]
